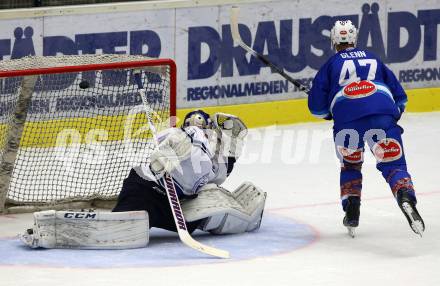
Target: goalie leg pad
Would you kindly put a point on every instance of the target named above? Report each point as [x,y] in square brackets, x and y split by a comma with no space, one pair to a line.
[224,212]
[88,230]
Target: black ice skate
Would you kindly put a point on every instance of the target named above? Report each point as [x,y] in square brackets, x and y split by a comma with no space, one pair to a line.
[407,204]
[352,212]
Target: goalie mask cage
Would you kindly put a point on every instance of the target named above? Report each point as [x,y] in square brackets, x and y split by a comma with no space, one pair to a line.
[72,127]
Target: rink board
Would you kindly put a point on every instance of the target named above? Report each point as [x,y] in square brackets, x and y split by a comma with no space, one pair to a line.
[296,110]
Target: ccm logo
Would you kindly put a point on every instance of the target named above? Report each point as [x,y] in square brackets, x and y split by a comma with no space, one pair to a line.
[80,215]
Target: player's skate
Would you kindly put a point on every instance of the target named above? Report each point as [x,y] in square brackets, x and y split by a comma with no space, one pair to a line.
[407,203]
[352,212]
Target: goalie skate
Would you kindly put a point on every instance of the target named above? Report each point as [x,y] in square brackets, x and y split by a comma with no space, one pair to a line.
[408,206]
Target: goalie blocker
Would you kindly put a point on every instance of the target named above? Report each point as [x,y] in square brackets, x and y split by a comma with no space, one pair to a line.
[215,210]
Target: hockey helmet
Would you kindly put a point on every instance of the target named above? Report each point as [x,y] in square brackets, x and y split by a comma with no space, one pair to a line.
[343,32]
[197,118]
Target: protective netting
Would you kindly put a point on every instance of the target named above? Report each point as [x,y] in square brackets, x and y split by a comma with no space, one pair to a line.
[84,130]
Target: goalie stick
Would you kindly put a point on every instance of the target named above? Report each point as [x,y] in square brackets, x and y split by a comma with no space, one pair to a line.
[170,189]
[237,39]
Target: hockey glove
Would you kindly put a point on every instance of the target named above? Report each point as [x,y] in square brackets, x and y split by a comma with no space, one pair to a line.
[401,108]
[175,148]
[231,131]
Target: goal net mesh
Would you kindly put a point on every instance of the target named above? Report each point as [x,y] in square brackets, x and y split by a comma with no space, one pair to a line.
[85,125]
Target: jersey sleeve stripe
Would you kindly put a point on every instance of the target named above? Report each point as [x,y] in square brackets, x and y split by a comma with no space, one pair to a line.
[320,115]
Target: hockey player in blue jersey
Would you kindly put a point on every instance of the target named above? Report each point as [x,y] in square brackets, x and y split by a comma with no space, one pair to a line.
[365,101]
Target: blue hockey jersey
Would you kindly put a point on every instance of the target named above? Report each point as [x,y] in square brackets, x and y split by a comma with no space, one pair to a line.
[353,84]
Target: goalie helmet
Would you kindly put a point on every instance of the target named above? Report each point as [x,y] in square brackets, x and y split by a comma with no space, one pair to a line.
[343,32]
[197,118]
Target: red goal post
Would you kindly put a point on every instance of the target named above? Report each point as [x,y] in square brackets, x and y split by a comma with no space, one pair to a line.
[72,127]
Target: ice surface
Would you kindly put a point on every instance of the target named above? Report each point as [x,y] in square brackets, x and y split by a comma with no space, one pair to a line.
[296,165]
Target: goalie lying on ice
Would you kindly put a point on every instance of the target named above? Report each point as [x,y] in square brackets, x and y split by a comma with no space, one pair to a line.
[199,156]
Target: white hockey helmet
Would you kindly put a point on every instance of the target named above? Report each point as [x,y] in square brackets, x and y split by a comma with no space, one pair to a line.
[197,118]
[343,32]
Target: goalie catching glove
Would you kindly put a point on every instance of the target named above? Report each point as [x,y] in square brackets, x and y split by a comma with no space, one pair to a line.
[231,132]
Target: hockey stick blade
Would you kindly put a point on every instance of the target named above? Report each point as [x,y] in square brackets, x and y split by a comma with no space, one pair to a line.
[235,11]
[170,189]
[179,219]
[187,239]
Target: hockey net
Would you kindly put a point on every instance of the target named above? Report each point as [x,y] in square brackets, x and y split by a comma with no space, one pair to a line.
[72,127]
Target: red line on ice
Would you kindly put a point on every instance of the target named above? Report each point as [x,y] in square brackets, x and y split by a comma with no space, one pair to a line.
[338,202]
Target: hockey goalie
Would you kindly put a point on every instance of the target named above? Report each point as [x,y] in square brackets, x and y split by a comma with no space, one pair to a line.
[199,156]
